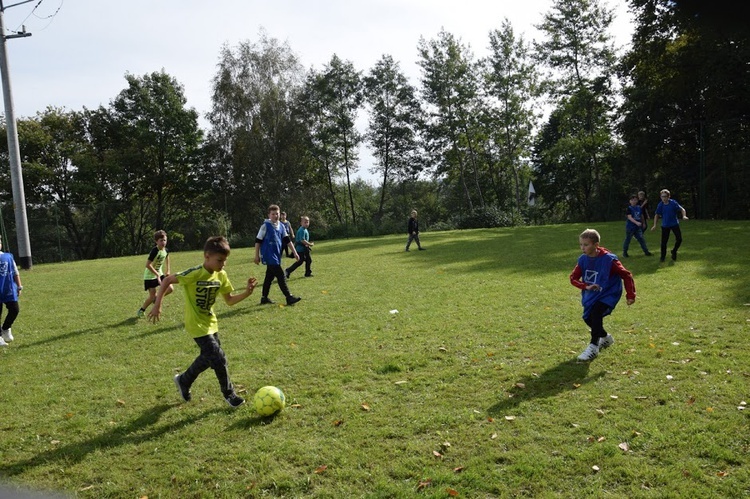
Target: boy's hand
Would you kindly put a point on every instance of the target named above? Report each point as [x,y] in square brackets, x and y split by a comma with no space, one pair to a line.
[594,287]
[154,314]
[251,283]
[630,301]
[257,260]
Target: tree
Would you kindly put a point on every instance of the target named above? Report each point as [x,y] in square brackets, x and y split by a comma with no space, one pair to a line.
[161,135]
[580,56]
[394,124]
[256,144]
[686,106]
[449,88]
[512,85]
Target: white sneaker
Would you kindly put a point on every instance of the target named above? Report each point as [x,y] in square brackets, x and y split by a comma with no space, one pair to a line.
[7,335]
[606,342]
[2,342]
[590,353]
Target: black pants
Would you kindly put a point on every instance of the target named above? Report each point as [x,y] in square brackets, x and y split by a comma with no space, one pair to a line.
[13,310]
[304,257]
[595,321]
[665,239]
[275,272]
[211,356]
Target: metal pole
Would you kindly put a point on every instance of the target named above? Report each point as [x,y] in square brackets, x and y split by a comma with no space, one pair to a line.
[14,155]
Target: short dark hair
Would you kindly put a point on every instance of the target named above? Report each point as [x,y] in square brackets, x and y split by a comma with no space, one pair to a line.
[217,245]
[634,196]
[159,234]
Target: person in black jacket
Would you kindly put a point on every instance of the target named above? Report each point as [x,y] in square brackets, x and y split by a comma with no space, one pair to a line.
[413,231]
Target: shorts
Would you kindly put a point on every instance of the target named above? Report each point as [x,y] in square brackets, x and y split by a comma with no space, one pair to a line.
[151,283]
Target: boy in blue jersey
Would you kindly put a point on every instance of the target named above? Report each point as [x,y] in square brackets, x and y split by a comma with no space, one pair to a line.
[268,243]
[600,277]
[668,209]
[634,226]
[10,290]
[303,245]
[156,261]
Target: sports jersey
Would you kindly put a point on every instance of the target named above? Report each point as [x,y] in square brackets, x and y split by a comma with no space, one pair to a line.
[302,235]
[605,270]
[156,257]
[8,272]
[272,237]
[635,212]
[668,212]
[201,289]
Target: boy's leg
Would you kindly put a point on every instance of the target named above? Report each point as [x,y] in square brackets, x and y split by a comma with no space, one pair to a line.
[595,321]
[677,240]
[308,262]
[267,281]
[639,237]
[278,273]
[293,267]
[408,243]
[13,310]
[211,356]
[664,241]
[416,239]
[626,244]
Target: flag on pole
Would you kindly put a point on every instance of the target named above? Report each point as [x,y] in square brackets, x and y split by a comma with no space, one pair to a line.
[532,194]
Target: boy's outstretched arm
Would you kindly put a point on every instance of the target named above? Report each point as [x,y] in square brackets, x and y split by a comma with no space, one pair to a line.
[231,299]
[155,312]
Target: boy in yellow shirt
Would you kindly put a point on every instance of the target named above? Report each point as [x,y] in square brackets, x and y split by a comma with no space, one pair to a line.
[202,284]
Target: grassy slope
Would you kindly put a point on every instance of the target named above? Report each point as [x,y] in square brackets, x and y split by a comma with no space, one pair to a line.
[470,387]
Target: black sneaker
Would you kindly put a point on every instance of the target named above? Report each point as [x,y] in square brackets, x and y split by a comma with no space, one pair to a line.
[292,300]
[625,254]
[266,301]
[308,275]
[234,401]
[674,255]
[184,392]
[648,253]
[422,249]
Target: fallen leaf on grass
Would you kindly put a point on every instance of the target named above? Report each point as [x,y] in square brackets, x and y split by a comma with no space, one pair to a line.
[365,407]
[320,469]
[452,492]
[338,422]
[423,484]
[691,401]
[296,406]
[493,436]
[120,402]
[458,469]
[709,409]
[491,420]
[520,385]
[624,446]
[595,468]
[576,385]
[614,397]
[399,382]
[510,418]
[601,439]
[437,454]
[722,474]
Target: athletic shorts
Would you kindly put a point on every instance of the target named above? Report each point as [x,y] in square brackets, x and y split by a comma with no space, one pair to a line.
[151,283]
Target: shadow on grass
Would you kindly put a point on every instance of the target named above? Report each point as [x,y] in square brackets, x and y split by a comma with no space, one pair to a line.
[139,430]
[247,423]
[567,375]
[96,330]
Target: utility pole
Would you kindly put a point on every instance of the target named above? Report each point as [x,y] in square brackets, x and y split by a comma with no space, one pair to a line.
[14,153]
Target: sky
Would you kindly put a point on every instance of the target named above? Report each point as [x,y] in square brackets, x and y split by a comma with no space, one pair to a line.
[80,50]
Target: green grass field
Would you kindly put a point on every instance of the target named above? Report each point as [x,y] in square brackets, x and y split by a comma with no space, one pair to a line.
[470,390]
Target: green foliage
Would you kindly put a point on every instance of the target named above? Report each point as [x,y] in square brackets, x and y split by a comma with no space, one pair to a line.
[471,386]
